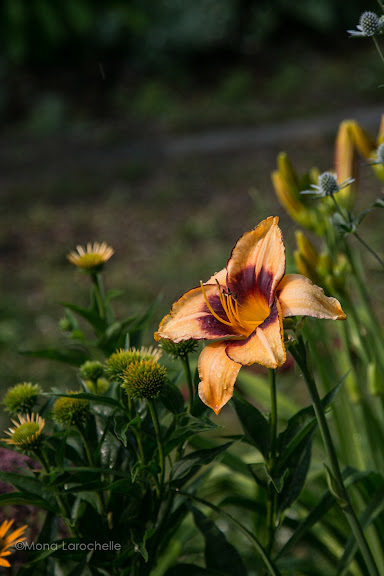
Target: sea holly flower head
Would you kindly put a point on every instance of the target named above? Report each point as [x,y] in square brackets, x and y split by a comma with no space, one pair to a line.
[240,311]
[379,156]
[92,258]
[369,25]
[327,185]
[27,433]
[7,541]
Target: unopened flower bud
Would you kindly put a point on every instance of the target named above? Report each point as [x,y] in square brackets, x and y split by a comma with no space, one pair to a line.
[178,349]
[21,398]
[68,410]
[144,379]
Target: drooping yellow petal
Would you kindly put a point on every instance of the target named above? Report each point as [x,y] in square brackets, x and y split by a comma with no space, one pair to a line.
[264,346]
[217,376]
[190,317]
[4,563]
[257,264]
[299,297]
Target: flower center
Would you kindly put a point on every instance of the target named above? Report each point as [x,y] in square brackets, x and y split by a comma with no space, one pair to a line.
[242,319]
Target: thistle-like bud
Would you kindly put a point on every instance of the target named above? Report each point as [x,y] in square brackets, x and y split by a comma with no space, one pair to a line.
[380,154]
[144,379]
[68,410]
[178,349]
[369,23]
[119,361]
[21,398]
[328,184]
[27,433]
[91,370]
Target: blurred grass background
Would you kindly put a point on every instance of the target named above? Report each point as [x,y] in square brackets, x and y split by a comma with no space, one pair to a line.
[95,98]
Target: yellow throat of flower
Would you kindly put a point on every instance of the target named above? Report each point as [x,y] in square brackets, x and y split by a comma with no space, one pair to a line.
[243,319]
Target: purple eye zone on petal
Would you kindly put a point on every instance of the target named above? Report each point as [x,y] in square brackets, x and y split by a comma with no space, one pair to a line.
[211,324]
[247,283]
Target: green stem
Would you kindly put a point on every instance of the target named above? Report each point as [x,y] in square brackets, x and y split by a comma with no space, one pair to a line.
[65,512]
[356,235]
[152,409]
[271,504]
[359,238]
[299,353]
[92,464]
[378,48]
[99,295]
[188,375]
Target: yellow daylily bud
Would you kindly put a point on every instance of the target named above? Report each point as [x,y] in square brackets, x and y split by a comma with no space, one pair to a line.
[364,143]
[288,173]
[306,248]
[305,268]
[287,198]
[346,165]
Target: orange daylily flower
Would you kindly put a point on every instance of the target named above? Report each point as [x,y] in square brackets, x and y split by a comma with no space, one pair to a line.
[241,309]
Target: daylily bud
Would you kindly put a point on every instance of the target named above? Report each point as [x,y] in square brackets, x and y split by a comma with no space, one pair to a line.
[346,165]
[287,188]
[306,258]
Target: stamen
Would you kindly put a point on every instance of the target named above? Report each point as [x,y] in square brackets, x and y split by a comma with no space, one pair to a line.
[210,307]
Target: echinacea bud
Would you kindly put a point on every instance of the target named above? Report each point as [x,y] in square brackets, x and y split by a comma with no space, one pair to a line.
[144,379]
[26,435]
[67,410]
[21,398]
[328,184]
[369,23]
[178,349]
[119,361]
[91,370]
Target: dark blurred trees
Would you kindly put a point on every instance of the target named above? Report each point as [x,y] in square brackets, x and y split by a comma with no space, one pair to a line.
[152,34]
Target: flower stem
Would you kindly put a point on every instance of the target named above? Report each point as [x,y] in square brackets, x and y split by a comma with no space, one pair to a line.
[299,353]
[99,295]
[152,409]
[359,238]
[356,235]
[378,48]
[188,375]
[271,504]
[91,463]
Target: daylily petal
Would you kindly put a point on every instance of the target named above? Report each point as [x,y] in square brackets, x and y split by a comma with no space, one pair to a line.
[299,297]
[264,346]
[220,277]
[217,376]
[257,263]
[4,563]
[191,318]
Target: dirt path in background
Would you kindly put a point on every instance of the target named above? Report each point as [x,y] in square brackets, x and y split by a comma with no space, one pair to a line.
[109,147]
